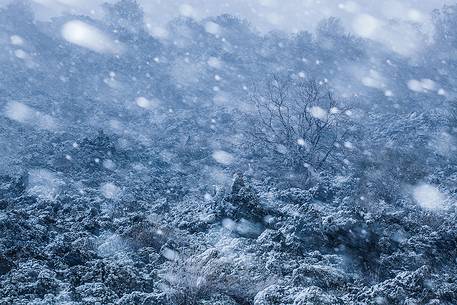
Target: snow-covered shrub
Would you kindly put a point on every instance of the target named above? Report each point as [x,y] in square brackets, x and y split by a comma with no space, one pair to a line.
[285,295]
[211,273]
[297,123]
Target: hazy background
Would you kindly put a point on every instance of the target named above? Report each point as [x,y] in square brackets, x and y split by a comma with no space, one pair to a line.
[394,23]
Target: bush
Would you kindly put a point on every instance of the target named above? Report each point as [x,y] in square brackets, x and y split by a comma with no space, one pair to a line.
[298,123]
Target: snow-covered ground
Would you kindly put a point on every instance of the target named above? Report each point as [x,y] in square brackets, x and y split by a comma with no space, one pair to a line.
[245,152]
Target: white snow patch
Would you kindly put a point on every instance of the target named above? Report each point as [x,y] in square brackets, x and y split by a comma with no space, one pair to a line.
[269,219]
[212,28]
[281,149]
[388,93]
[318,113]
[170,254]
[109,164]
[401,37]
[334,110]
[365,25]
[415,85]
[90,37]
[18,112]
[187,10]
[429,197]
[415,15]
[422,85]
[16,40]
[44,184]
[21,54]
[341,179]
[159,32]
[229,224]
[214,62]
[349,6]
[348,145]
[374,80]
[428,84]
[146,103]
[243,226]
[110,190]
[223,157]
[24,114]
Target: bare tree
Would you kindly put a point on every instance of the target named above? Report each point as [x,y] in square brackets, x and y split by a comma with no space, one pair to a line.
[297,121]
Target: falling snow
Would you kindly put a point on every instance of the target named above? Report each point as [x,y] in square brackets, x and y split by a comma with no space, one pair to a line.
[228,152]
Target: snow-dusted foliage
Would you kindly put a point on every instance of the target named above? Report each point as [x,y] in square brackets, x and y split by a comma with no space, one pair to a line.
[202,161]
